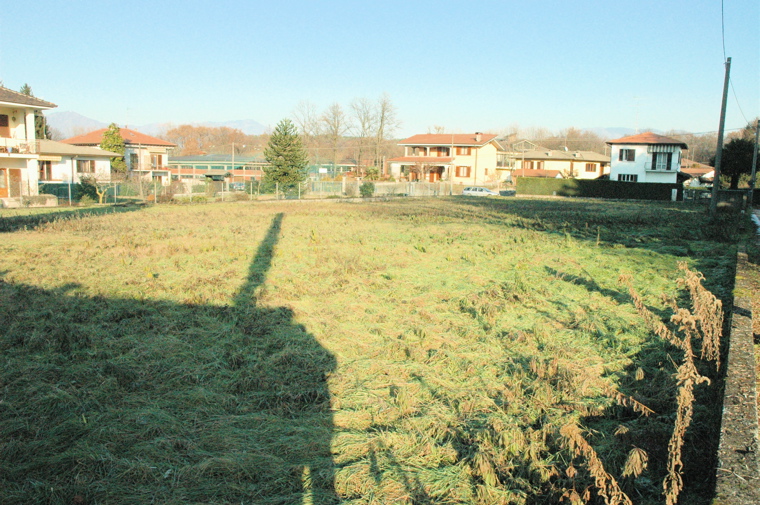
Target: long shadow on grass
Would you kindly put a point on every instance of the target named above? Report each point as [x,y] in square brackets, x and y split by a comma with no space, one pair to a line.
[113,400]
[32,221]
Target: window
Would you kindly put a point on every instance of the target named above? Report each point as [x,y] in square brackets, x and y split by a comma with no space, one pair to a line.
[155,161]
[590,167]
[86,166]
[418,151]
[46,170]
[464,151]
[661,161]
[628,177]
[539,165]
[528,165]
[134,164]
[462,172]
[627,155]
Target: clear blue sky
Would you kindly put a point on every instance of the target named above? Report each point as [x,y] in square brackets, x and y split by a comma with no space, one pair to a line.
[467,66]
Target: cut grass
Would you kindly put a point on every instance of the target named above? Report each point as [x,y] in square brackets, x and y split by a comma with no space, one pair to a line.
[424,351]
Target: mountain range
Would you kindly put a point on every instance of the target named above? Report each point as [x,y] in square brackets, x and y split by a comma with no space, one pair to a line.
[69,124]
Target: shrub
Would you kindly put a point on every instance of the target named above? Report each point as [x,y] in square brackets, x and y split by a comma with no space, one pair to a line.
[367,189]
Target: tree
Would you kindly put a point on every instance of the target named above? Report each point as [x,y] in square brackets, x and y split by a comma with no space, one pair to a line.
[386,124]
[365,122]
[114,142]
[286,157]
[736,160]
[335,126]
[26,90]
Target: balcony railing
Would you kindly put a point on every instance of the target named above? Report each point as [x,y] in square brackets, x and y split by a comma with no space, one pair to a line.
[14,146]
[649,168]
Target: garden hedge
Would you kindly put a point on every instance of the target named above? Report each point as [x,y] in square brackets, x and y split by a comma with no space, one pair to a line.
[596,188]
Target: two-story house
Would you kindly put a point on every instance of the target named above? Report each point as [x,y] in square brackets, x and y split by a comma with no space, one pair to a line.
[19,147]
[146,156]
[645,157]
[561,164]
[466,158]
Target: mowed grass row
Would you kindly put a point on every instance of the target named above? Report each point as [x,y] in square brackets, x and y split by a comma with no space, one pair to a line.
[418,351]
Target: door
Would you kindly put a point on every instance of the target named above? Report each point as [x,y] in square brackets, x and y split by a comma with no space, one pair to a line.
[14,182]
[5,128]
[3,183]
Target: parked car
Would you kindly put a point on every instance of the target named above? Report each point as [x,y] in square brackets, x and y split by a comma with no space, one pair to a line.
[479,191]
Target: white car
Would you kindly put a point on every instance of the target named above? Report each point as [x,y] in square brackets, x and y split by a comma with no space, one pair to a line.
[479,191]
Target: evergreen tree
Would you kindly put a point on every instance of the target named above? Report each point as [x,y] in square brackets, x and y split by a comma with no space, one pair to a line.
[736,160]
[114,142]
[26,90]
[286,156]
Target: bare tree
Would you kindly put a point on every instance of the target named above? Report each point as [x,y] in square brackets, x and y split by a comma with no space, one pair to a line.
[386,124]
[365,119]
[335,125]
[306,117]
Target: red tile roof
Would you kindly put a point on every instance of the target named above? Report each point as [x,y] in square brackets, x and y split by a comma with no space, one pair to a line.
[648,138]
[422,159]
[129,136]
[694,168]
[447,139]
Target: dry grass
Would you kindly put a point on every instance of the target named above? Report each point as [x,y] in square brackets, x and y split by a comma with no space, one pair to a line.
[425,351]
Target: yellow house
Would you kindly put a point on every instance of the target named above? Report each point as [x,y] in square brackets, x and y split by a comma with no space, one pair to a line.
[460,158]
[561,164]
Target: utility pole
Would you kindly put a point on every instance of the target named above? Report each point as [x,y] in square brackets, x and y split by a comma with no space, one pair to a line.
[754,166]
[719,152]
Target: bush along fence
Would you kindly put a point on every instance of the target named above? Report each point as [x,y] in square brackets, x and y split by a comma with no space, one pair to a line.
[598,189]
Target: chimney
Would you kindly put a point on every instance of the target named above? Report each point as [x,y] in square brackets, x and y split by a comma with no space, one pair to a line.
[477,136]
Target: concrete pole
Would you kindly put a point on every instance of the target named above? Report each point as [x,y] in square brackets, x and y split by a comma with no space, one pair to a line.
[719,152]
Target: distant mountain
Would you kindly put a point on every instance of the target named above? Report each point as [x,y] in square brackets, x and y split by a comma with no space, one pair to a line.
[69,124]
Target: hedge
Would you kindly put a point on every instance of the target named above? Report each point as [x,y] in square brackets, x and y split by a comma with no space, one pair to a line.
[592,188]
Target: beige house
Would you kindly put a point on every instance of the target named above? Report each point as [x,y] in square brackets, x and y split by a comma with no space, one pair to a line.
[561,164]
[19,147]
[146,156]
[460,158]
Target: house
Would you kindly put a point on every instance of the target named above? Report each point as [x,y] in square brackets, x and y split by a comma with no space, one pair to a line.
[145,156]
[65,163]
[19,147]
[465,158]
[561,164]
[645,157]
[697,174]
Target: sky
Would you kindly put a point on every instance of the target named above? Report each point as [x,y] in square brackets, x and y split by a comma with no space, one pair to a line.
[464,66]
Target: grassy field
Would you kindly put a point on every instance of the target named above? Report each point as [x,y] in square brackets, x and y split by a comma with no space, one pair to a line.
[415,351]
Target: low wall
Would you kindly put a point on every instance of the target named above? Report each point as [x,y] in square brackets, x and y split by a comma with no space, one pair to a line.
[738,475]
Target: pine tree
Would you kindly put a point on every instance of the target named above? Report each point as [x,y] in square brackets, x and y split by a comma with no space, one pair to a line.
[114,142]
[286,156]
[26,90]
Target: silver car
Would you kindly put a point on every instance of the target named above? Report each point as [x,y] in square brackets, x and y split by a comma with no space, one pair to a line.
[479,191]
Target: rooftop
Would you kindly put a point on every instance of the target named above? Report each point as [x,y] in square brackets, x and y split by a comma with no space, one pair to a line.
[648,138]
[14,97]
[131,137]
[449,139]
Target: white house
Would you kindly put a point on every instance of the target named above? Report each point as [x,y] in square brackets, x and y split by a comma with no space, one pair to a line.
[19,147]
[645,157]
[146,156]
[64,163]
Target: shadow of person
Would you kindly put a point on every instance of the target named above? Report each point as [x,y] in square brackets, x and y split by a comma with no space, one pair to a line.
[117,400]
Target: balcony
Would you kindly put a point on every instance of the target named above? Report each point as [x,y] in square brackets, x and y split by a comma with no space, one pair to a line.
[13,146]
[649,168]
